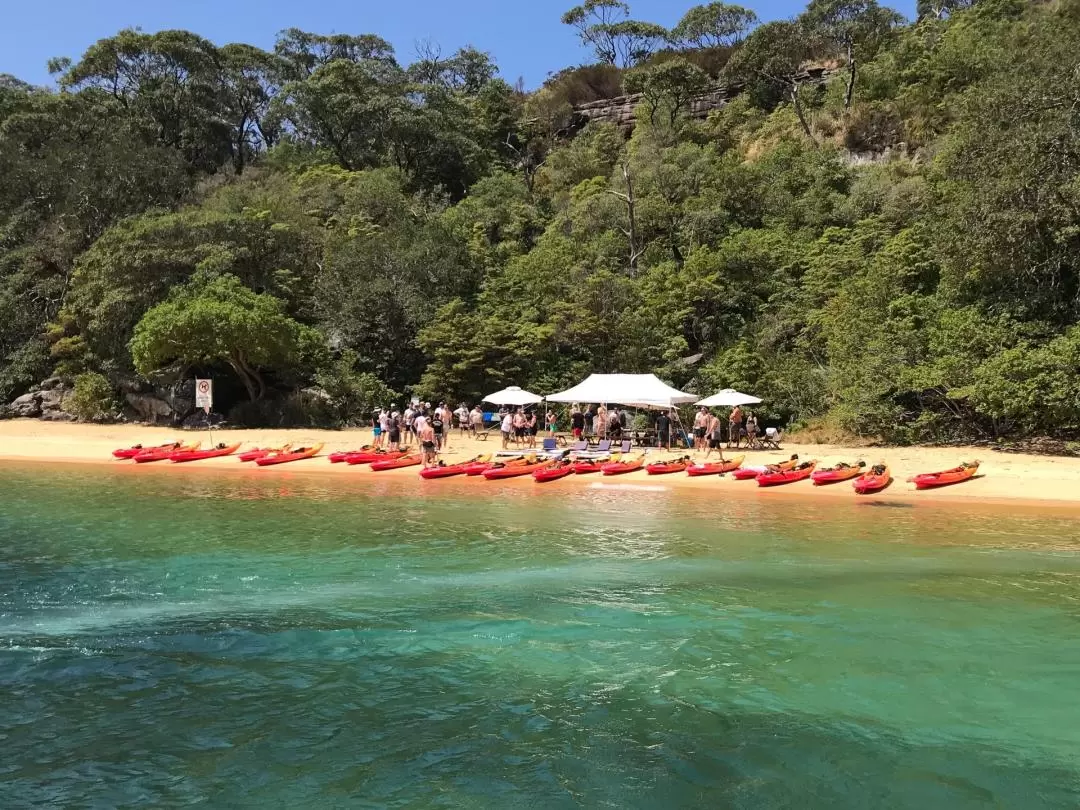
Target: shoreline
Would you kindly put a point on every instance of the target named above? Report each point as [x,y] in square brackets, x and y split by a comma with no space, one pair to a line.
[1005,479]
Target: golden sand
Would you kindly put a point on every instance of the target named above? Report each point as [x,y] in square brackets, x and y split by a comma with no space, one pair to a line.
[1004,478]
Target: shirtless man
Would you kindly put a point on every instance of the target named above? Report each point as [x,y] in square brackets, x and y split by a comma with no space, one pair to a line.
[427,444]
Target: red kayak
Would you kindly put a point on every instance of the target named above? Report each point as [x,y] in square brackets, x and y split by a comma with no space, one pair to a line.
[138,449]
[667,467]
[449,470]
[747,473]
[515,470]
[293,455]
[875,480]
[162,453]
[841,472]
[340,455]
[262,452]
[775,479]
[479,467]
[623,467]
[371,456]
[180,456]
[555,472]
[716,467]
[590,465]
[396,463]
[946,477]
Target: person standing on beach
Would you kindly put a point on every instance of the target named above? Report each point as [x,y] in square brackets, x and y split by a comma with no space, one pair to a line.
[384,427]
[701,427]
[735,427]
[531,428]
[462,414]
[477,419]
[407,424]
[663,431]
[437,426]
[395,431]
[577,422]
[549,423]
[602,421]
[427,444]
[716,437]
[507,428]
[518,421]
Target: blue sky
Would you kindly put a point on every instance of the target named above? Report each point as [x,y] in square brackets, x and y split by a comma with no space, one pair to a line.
[526,38]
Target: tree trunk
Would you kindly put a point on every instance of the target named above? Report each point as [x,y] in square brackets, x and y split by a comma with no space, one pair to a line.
[631,216]
[851,76]
[797,104]
[249,384]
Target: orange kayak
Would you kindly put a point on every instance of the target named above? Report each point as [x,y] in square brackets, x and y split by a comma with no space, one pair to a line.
[946,477]
[292,455]
[180,456]
[514,470]
[715,467]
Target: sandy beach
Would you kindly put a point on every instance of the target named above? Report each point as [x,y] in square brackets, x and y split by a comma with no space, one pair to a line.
[1004,478]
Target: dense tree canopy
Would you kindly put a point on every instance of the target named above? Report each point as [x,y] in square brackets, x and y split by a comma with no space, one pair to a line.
[879,232]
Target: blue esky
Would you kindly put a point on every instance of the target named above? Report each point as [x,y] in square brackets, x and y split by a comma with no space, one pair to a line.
[526,38]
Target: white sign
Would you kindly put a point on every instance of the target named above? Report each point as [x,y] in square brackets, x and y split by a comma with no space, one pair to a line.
[204,394]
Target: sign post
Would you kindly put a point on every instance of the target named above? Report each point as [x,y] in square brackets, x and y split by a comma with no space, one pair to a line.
[204,398]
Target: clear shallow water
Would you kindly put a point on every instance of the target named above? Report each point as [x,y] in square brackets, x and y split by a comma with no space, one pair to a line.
[254,640]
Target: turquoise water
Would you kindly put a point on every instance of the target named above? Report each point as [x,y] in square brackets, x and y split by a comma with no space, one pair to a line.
[266,640]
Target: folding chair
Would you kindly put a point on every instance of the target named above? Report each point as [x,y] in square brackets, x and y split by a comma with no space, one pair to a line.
[549,445]
[604,446]
[772,438]
[625,446]
[579,447]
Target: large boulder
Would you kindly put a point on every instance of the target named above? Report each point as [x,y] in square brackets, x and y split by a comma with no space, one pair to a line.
[27,406]
[150,408]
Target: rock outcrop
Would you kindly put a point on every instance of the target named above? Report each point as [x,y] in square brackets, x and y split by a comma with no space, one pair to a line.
[45,401]
[622,110]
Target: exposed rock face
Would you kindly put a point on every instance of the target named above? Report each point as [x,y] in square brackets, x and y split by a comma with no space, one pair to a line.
[45,401]
[149,408]
[622,110]
[28,406]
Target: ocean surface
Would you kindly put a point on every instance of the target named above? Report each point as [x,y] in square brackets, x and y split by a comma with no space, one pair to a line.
[179,637]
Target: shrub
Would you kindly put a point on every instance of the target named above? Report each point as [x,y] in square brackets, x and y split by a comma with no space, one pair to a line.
[92,398]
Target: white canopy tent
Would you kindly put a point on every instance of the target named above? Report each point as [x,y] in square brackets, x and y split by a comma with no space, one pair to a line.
[633,390]
[728,398]
[513,396]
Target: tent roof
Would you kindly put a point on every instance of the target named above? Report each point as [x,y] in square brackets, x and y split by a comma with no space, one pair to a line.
[728,398]
[513,396]
[635,390]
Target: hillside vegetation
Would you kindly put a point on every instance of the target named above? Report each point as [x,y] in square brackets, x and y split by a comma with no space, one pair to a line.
[893,252]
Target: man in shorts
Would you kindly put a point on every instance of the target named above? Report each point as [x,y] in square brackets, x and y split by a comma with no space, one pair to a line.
[438,427]
[507,428]
[477,419]
[427,444]
[577,422]
[701,425]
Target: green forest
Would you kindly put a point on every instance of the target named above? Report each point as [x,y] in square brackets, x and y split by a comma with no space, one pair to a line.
[878,232]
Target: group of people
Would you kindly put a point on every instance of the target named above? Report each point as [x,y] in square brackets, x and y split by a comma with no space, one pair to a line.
[430,428]
[597,420]
[709,430]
